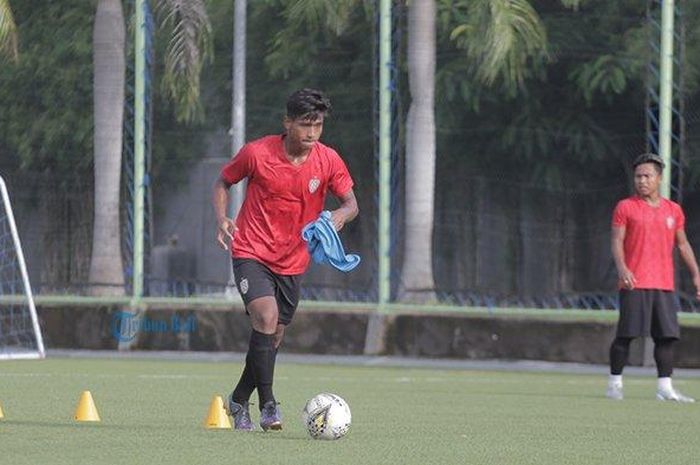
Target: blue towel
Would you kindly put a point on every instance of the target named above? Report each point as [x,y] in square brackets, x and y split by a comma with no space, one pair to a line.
[325,246]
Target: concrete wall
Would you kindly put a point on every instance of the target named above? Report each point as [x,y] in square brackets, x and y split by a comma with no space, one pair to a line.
[343,333]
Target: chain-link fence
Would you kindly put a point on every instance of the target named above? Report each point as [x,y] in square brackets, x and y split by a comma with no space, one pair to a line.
[526,173]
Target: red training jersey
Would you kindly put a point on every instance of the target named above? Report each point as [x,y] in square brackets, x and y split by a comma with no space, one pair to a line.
[650,235]
[281,198]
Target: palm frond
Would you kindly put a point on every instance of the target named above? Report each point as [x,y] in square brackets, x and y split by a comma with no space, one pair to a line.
[309,26]
[8,31]
[501,37]
[316,15]
[189,46]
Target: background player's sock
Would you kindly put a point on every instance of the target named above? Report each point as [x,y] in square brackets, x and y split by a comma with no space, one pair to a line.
[664,384]
[619,353]
[663,355]
[615,380]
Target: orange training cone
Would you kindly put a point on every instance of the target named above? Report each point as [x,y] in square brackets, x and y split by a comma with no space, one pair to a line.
[217,417]
[86,410]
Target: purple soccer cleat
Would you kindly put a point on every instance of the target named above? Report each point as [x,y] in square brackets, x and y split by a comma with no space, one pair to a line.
[240,414]
[270,416]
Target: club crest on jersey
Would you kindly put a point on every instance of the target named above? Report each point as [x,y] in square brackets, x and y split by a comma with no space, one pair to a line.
[244,285]
[313,184]
[670,222]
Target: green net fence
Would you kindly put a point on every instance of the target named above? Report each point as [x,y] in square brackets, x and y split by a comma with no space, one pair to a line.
[526,172]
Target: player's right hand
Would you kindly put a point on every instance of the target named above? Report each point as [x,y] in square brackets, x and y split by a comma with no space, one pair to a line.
[627,280]
[225,231]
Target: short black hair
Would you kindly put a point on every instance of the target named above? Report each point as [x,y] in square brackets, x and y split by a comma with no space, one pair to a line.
[650,158]
[308,104]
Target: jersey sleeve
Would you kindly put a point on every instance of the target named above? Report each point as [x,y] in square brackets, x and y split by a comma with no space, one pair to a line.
[680,218]
[340,182]
[619,218]
[240,166]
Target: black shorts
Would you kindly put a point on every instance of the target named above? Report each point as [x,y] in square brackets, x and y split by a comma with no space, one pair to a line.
[648,312]
[254,280]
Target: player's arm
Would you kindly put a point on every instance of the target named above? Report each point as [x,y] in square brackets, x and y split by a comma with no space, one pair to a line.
[688,257]
[346,212]
[618,253]
[225,225]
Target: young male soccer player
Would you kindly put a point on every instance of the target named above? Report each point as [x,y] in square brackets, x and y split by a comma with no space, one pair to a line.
[644,230]
[288,178]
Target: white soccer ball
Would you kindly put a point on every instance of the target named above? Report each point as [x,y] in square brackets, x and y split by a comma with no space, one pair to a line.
[326,416]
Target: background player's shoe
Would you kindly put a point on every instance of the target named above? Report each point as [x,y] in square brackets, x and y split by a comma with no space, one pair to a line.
[614,392]
[240,414]
[674,395]
[270,416]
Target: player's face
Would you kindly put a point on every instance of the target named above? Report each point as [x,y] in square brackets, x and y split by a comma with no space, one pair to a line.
[646,180]
[304,132]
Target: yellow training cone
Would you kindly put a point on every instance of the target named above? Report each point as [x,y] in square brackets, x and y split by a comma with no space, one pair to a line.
[217,417]
[2,415]
[86,410]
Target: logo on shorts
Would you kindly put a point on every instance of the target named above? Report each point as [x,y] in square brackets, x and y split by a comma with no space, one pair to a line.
[313,184]
[670,222]
[244,285]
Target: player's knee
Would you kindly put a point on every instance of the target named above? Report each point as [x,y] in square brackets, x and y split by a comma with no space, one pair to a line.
[264,315]
[265,322]
[268,321]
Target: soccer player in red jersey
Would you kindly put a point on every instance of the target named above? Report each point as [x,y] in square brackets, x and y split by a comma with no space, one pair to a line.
[288,177]
[645,229]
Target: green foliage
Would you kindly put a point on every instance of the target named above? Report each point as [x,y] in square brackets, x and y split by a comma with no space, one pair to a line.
[547,82]
[189,47]
[46,118]
[309,27]
[571,121]
[605,75]
[8,31]
[503,39]
[320,15]
[541,86]
[299,56]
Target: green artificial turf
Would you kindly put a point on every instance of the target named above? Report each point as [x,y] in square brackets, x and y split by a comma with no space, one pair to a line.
[153,412]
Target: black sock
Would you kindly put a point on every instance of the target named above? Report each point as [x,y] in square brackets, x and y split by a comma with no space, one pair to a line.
[262,349]
[663,354]
[619,353]
[246,385]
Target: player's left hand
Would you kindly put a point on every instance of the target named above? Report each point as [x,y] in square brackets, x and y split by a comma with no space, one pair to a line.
[225,231]
[696,282]
[338,220]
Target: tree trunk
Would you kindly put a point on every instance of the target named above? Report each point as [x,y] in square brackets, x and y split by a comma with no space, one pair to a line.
[417,282]
[106,272]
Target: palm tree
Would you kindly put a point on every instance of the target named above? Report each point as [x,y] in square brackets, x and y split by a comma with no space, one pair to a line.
[189,46]
[499,37]
[417,282]
[106,272]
